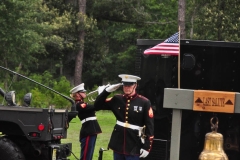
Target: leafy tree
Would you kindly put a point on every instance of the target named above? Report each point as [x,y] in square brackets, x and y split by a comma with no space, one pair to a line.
[113,34]
[111,47]
[32,31]
[217,20]
[63,86]
[20,36]
[41,96]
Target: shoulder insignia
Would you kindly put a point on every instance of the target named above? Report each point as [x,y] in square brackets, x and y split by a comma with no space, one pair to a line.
[108,99]
[142,97]
[83,105]
[150,112]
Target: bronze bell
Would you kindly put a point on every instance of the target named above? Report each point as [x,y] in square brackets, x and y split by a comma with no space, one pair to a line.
[213,146]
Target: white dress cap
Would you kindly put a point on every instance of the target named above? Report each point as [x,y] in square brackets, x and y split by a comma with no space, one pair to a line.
[129,78]
[78,88]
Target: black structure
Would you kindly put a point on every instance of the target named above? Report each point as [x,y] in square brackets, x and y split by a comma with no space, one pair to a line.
[206,65]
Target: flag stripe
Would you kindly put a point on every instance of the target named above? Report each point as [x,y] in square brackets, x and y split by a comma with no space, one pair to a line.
[163,52]
[164,48]
[169,46]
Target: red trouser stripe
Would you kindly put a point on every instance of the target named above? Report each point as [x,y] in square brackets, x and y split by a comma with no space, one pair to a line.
[86,148]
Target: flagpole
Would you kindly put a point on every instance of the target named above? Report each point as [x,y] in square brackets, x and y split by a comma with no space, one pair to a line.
[179,58]
[176,119]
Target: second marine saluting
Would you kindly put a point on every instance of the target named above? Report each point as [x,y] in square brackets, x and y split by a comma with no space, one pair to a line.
[90,127]
[134,114]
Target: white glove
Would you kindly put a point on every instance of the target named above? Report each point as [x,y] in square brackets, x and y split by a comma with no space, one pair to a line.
[143,153]
[101,88]
[113,87]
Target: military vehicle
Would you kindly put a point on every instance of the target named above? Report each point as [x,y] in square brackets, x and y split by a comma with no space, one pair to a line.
[204,66]
[29,133]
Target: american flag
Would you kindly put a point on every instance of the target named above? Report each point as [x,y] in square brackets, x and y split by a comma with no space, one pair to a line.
[169,47]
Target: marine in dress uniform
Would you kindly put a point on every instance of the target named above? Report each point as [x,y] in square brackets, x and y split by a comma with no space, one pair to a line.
[133,133]
[90,127]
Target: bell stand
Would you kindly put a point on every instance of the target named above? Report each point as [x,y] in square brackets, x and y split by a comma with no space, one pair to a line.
[178,100]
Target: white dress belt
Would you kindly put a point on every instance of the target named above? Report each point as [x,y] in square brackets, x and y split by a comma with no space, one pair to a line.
[128,125]
[88,119]
[135,127]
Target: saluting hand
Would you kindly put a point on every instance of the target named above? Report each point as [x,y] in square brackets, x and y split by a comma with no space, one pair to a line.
[101,88]
[113,87]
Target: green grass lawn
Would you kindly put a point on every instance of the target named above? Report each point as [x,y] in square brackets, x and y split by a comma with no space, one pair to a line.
[106,120]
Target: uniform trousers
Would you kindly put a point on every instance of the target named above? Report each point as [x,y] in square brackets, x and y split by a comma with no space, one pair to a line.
[87,147]
[118,156]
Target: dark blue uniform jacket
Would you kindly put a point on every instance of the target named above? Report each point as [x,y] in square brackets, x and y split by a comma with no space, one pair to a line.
[135,110]
[89,127]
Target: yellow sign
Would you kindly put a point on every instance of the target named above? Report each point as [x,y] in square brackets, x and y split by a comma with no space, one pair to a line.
[214,101]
